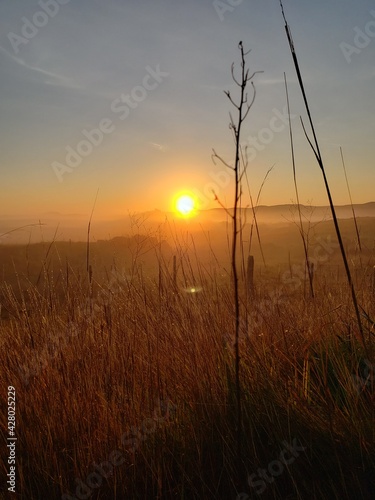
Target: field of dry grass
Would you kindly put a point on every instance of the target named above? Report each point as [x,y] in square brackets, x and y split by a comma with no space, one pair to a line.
[125,387]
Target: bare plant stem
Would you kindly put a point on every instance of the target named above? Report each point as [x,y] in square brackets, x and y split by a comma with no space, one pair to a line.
[237,191]
[242,108]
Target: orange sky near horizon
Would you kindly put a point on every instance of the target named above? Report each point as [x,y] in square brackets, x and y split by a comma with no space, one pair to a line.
[135,113]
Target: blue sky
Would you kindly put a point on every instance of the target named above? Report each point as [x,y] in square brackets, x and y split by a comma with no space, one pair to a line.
[90,53]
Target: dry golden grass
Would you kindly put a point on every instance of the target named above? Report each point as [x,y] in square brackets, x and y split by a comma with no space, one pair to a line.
[147,372]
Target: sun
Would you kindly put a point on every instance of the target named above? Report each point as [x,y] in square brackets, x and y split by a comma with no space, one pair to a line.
[185,205]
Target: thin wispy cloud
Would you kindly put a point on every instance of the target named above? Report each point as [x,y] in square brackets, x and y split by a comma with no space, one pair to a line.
[275,81]
[158,147]
[53,78]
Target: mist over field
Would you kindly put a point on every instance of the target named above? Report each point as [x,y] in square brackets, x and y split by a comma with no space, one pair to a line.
[59,227]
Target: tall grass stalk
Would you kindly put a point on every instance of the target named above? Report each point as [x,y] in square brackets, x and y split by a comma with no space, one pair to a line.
[254,207]
[302,232]
[351,201]
[316,149]
[88,236]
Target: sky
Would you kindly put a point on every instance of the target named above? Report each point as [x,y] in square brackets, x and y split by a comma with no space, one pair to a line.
[125,99]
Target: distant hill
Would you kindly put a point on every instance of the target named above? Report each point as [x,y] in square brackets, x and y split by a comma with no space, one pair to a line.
[284,213]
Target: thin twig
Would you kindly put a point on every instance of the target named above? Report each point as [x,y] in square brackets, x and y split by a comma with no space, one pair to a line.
[88,234]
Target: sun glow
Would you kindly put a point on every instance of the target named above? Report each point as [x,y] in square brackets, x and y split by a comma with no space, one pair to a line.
[185,205]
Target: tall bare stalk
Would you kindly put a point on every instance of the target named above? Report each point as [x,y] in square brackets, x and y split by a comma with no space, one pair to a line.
[242,108]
